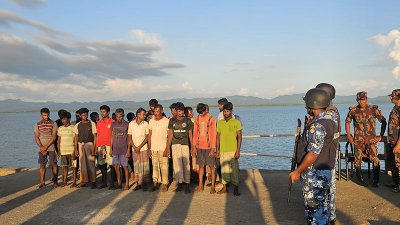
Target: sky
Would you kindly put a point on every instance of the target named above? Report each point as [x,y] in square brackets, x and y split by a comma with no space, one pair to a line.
[71,50]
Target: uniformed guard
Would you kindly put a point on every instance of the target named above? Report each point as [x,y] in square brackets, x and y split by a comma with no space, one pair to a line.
[393,140]
[334,113]
[316,158]
[364,121]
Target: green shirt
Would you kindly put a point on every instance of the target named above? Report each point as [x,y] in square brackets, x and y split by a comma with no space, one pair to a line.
[227,131]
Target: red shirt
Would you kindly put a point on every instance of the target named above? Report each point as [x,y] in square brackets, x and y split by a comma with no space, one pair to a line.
[104,132]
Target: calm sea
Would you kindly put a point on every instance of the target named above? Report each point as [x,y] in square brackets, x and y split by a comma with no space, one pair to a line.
[18,149]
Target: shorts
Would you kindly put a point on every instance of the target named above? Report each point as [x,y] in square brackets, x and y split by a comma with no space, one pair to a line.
[120,159]
[66,160]
[203,158]
[103,155]
[43,159]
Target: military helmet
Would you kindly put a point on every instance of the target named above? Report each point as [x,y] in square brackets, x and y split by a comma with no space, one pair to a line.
[330,89]
[317,98]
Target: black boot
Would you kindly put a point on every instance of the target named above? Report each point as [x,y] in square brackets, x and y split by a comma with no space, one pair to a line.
[112,177]
[360,179]
[375,179]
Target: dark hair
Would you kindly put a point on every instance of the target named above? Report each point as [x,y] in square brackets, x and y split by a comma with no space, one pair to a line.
[94,114]
[119,111]
[105,107]
[130,116]
[228,106]
[139,111]
[180,106]
[201,107]
[222,101]
[187,109]
[172,106]
[83,110]
[153,102]
[78,111]
[60,112]
[159,106]
[65,114]
[45,110]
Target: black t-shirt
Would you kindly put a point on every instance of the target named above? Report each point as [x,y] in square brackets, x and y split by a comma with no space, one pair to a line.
[85,132]
[180,130]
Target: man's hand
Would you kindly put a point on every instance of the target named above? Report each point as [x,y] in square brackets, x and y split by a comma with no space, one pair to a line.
[217,154]
[211,155]
[237,154]
[111,152]
[128,153]
[93,152]
[96,151]
[167,153]
[396,149]
[149,153]
[76,153]
[351,139]
[43,149]
[136,149]
[376,140]
[294,176]
[194,151]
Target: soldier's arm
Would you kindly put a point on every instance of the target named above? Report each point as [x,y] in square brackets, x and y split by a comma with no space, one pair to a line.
[348,120]
[381,119]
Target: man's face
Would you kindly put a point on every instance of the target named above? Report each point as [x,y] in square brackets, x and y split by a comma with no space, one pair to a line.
[221,107]
[119,117]
[84,116]
[65,121]
[174,112]
[157,112]
[141,116]
[152,108]
[78,116]
[180,113]
[94,118]
[104,113]
[45,116]
[394,100]
[362,102]
[227,113]
[190,113]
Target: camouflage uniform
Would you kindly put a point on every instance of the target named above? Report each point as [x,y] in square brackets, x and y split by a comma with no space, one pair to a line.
[317,183]
[335,116]
[364,123]
[393,136]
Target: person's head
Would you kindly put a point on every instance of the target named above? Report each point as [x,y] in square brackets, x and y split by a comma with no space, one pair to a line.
[316,100]
[78,115]
[201,108]
[84,114]
[180,109]
[113,116]
[119,114]
[328,88]
[221,103]
[130,116]
[60,112]
[227,110]
[172,107]
[362,99]
[140,114]
[153,102]
[45,113]
[395,96]
[189,112]
[207,108]
[94,117]
[158,110]
[66,118]
[104,111]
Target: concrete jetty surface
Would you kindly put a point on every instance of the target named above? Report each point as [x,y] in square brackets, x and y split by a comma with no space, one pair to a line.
[263,201]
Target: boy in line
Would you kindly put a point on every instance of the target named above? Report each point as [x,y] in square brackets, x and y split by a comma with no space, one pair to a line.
[103,145]
[229,141]
[120,147]
[85,148]
[204,144]
[180,137]
[138,133]
[157,143]
[66,147]
[45,135]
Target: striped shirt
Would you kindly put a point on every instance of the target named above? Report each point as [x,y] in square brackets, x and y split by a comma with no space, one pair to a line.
[67,139]
[45,130]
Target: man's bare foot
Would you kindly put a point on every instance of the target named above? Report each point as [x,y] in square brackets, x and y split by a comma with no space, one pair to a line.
[73,185]
[126,188]
[81,185]
[63,184]
[199,189]
[55,185]
[236,191]
[41,185]
[223,191]
[164,188]
[212,191]
[219,185]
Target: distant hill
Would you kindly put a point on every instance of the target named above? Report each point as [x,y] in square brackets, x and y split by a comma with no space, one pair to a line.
[17,105]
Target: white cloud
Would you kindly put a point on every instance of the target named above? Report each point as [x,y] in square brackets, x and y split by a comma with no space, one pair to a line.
[392,42]
[244,91]
[29,3]
[284,91]
[186,86]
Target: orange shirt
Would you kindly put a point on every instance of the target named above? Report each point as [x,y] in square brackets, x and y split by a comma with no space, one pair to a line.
[104,132]
[205,132]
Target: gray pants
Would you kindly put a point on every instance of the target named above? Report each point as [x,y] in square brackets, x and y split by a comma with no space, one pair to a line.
[86,162]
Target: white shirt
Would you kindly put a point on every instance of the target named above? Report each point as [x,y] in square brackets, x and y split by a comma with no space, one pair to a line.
[138,132]
[159,133]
